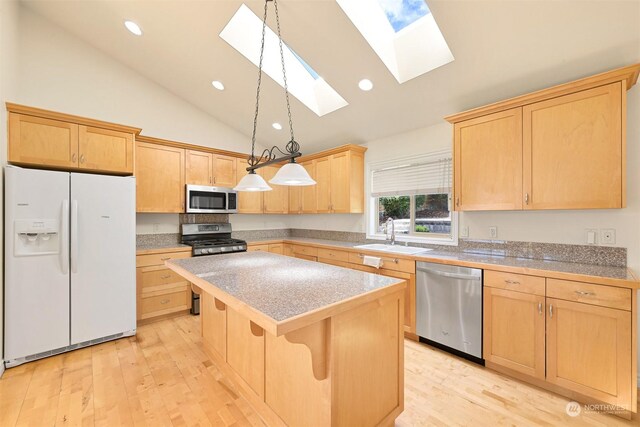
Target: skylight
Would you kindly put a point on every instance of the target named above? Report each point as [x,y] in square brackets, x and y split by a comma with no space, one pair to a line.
[403,33]
[243,33]
[402,13]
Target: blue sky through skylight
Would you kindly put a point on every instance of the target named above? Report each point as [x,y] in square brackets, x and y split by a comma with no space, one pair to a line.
[402,13]
[305,65]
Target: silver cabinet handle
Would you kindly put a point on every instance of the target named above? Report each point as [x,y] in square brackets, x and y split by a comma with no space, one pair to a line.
[74,156]
[165,277]
[551,310]
[511,282]
[81,158]
[164,259]
[539,308]
[164,301]
[586,293]
[458,201]
[526,198]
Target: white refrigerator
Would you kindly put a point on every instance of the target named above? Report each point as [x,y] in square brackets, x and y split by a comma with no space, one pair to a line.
[69,256]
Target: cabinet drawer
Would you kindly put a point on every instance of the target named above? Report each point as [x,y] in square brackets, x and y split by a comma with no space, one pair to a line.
[276,248]
[258,248]
[589,293]
[305,250]
[334,262]
[159,259]
[165,304]
[514,282]
[307,257]
[388,262]
[333,254]
[160,280]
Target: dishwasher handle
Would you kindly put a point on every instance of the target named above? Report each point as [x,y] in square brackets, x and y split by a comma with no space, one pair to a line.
[451,275]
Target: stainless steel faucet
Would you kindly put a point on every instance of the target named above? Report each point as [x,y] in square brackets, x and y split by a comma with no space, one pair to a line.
[391,239]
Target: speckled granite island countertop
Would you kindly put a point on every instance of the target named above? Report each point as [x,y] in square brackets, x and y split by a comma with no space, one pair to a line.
[277,292]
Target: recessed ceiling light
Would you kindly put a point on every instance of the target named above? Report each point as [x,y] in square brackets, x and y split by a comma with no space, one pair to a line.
[133,27]
[218,85]
[277,126]
[365,84]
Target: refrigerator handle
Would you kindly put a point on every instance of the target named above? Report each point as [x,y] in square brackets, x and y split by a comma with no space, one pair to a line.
[74,236]
[64,237]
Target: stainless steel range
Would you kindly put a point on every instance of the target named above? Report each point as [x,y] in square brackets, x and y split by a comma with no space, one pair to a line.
[209,239]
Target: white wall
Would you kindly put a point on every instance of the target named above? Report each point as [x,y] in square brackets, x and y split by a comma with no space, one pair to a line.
[8,59]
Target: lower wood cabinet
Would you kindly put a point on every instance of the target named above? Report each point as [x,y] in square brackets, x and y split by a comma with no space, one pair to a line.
[575,337]
[160,291]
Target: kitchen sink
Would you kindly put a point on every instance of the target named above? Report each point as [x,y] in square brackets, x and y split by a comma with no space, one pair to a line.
[407,250]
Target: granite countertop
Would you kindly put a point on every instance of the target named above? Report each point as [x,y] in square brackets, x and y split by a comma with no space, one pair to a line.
[278,286]
[479,260]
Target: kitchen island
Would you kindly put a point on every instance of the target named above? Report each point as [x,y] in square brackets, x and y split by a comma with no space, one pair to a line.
[307,344]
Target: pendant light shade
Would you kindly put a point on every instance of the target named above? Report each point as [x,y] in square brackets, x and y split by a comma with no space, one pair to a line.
[292,174]
[252,182]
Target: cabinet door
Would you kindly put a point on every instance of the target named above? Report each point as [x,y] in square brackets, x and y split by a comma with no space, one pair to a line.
[105,150]
[488,162]
[214,324]
[514,328]
[295,200]
[248,201]
[276,201]
[589,350]
[340,183]
[159,178]
[199,168]
[573,150]
[37,141]
[224,171]
[323,186]
[309,199]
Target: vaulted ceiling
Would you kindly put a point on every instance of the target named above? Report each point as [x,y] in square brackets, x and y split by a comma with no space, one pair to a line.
[501,49]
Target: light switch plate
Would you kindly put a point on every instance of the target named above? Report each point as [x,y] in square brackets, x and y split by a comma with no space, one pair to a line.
[493,232]
[592,236]
[464,231]
[608,236]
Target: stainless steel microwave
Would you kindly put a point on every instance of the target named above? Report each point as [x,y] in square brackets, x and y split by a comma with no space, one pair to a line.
[205,199]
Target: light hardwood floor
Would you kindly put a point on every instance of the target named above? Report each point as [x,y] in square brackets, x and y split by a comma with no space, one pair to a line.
[162,377]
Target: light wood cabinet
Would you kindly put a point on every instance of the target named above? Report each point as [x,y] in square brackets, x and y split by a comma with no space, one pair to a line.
[224,171]
[488,162]
[199,168]
[214,324]
[275,201]
[276,248]
[340,182]
[323,186]
[160,291]
[43,138]
[302,200]
[252,247]
[514,330]
[558,148]
[249,202]
[159,178]
[589,351]
[573,150]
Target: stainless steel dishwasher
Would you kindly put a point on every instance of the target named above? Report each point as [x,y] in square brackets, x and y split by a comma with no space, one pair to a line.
[449,308]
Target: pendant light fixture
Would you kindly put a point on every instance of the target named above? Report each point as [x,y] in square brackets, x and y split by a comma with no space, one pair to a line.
[291,173]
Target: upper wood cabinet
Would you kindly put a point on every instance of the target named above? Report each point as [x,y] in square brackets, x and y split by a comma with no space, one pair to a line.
[275,201]
[558,148]
[302,199]
[199,168]
[41,138]
[249,202]
[224,171]
[494,139]
[159,178]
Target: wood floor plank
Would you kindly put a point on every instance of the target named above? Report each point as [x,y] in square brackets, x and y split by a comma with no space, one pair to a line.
[163,377]
[75,407]
[40,404]
[110,402]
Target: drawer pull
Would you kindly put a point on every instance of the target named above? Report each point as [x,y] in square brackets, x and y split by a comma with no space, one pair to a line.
[586,293]
[164,301]
[164,259]
[165,277]
[394,260]
[551,311]
[511,282]
[539,308]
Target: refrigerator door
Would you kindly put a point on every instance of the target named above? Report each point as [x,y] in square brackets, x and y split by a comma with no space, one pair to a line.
[103,258]
[36,261]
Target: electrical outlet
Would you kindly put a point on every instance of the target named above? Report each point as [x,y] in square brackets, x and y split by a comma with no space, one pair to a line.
[464,231]
[493,232]
[592,236]
[608,236]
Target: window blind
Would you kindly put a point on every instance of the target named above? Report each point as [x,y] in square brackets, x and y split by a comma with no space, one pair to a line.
[429,174]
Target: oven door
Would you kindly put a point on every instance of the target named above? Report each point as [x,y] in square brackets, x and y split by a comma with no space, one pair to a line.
[204,199]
